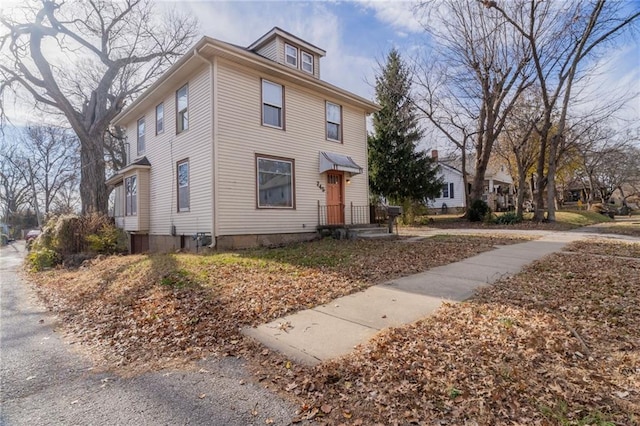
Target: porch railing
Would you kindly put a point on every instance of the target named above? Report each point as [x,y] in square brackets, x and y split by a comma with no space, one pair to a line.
[341,214]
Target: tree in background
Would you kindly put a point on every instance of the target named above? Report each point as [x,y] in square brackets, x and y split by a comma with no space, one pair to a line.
[84,60]
[471,79]
[398,171]
[562,38]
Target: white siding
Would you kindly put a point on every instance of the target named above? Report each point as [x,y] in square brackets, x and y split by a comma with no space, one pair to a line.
[164,151]
[241,136]
[269,50]
[449,176]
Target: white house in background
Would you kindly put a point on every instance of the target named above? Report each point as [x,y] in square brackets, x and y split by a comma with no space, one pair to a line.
[242,147]
[498,185]
[452,194]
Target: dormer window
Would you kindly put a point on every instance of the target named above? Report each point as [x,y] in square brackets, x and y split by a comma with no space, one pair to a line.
[307,62]
[291,55]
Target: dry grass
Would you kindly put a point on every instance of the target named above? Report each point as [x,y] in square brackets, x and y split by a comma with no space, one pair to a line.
[152,309]
[555,345]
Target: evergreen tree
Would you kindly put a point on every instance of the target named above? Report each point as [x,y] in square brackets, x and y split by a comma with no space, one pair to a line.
[398,171]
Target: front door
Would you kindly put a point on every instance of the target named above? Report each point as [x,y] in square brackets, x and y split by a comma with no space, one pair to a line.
[335,199]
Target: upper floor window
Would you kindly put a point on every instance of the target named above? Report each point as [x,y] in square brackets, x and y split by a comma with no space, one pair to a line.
[140,140]
[272,104]
[182,108]
[334,122]
[307,62]
[183,186]
[291,55]
[131,194]
[275,182]
[159,119]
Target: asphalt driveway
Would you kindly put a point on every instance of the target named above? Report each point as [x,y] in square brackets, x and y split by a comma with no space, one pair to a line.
[46,380]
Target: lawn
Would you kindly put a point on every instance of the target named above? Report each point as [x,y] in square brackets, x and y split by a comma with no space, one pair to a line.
[565,220]
[557,344]
[150,309]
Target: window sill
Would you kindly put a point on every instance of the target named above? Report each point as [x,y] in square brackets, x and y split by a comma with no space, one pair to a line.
[272,127]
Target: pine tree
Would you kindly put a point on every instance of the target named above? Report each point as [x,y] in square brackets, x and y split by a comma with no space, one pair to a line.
[398,171]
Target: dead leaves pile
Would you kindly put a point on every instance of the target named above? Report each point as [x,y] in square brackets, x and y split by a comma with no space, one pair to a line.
[147,310]
[557,344]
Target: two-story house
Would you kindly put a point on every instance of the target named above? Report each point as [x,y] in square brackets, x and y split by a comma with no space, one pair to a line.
[242,147]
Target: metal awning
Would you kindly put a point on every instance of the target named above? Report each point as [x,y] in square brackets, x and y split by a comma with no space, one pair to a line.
[332,161]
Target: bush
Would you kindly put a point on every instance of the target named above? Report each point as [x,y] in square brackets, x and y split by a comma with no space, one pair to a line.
[478,210]
[108,240]
[509,218]
[42,258]
[70,235]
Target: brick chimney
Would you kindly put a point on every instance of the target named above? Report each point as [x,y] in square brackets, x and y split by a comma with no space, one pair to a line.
[434,154]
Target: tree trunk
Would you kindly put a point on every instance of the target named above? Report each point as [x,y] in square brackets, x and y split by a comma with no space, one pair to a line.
[522,182]
[93,191]
[551,179]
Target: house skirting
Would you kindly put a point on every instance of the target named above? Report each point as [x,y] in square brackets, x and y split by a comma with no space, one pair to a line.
[232,242]
[171,243]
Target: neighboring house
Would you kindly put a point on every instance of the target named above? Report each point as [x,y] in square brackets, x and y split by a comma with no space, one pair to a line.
[498,185]
[241,147]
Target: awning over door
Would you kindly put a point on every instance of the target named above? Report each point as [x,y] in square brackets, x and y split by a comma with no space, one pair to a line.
[332,161]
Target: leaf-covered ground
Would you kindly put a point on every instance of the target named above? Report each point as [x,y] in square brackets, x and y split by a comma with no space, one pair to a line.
[143,310]
[558,344]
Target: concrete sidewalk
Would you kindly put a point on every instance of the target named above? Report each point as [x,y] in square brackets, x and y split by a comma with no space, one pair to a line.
[334,329]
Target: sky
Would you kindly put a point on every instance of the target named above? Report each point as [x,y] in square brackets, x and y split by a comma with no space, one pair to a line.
[357,35]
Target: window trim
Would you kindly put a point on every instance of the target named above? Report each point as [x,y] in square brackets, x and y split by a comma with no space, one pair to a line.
[141,141]
[130,212]
[160,129]
[293,181]
[262,104]
[188,186]
[451,186]
[287,56]
[326,122]
[182,113]
[302,55]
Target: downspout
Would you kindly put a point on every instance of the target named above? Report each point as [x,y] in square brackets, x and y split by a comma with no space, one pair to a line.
[213,78]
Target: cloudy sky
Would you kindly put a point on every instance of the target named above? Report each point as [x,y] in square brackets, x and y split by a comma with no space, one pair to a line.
[357,35]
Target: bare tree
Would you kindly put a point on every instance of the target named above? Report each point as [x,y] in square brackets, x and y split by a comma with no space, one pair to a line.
[560,37]
[53,166]
[485,69]
[86,59]
[518,144]
[14,188]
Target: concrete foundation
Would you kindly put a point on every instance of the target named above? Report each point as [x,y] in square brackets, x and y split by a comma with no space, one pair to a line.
[171,243]
[233,242]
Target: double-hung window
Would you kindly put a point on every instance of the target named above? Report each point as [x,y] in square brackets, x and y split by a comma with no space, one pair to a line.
[159,118]
[307,62]
[182,108]
[140,139]
[183,185]
[275,182]
[334,122]
[447,190]
[291,55]
[131,194]
[272,104]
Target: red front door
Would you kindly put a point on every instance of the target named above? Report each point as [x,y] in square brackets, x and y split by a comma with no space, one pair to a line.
[335,199]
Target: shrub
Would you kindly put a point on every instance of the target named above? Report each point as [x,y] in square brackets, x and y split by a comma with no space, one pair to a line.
[108,240]
[70,235]
[478,210]
[42,258]
[509,218]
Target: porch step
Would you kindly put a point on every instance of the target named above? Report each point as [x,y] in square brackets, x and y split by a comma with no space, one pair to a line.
[370,232]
